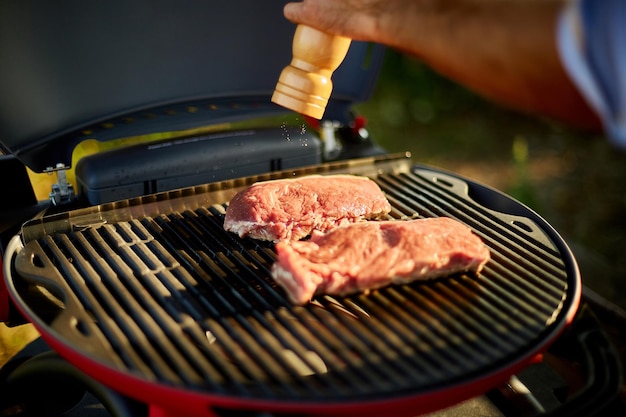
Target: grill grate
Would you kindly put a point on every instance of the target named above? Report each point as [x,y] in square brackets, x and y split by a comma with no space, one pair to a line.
[174,299]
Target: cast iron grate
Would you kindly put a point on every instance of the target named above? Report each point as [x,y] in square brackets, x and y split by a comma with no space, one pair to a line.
[175,299]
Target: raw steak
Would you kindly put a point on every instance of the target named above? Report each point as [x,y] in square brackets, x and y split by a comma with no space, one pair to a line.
[369,255]
[291,209]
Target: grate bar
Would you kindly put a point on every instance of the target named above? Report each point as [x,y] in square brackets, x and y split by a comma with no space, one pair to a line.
[305,338]
[239,275]
[509,254]
[240,271]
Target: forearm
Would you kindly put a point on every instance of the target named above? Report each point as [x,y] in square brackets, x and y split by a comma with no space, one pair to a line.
[502,49]
[506,51]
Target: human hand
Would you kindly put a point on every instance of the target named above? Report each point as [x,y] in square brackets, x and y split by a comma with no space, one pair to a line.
[355,19]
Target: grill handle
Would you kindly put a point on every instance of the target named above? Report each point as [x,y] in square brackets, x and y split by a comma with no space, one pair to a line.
[586,343]
[601,363]
[53,386]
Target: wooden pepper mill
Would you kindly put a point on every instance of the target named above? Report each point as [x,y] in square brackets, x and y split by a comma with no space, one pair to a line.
[305,85]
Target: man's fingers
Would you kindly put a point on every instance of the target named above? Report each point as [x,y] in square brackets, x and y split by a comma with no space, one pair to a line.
[292,11]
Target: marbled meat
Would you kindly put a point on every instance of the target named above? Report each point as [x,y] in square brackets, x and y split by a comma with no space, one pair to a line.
[291,209]
[369,255]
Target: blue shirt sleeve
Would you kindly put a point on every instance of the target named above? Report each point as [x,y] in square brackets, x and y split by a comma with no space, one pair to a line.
[591,39]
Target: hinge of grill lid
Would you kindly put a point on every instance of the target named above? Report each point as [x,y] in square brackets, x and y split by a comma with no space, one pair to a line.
[62,191]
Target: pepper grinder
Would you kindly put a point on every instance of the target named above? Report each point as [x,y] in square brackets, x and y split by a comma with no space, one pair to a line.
[304,86]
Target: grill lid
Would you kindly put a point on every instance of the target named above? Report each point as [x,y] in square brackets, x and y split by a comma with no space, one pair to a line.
[155,291]
[75,70]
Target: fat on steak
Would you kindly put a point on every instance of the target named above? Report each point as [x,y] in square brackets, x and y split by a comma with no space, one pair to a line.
[291,209]
[369,255]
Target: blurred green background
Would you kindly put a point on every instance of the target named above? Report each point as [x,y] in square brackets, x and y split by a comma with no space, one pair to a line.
[575,180]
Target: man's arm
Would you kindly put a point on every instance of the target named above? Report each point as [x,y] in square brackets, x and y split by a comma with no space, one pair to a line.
[504,50]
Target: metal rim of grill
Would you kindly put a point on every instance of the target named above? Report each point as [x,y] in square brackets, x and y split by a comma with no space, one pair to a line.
[175,300]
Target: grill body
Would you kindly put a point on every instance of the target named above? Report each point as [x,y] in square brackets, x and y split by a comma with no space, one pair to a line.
[153,297]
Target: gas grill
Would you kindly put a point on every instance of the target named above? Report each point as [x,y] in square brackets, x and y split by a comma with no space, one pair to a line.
[145,302]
